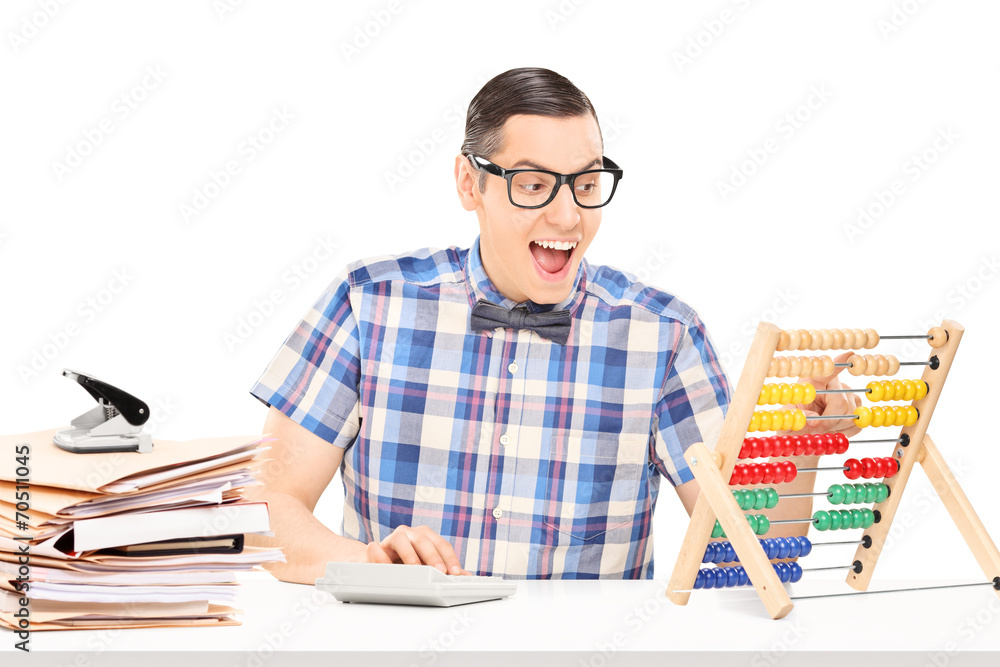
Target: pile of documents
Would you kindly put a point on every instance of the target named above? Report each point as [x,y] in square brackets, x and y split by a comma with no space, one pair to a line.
[123,539]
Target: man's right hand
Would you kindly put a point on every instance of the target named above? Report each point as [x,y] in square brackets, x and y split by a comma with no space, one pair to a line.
[415,545]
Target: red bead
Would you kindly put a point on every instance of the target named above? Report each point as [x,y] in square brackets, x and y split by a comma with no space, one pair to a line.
[880,467]
[755,447]
[790,471]
[892,467]
[767,446]
[829,443]
[745,449]
[788,445]
[756,473]
[842,443]
[853,468]
[735,479]
[867,468]
[781,472]
[768,476]
[800,445]
[808,444]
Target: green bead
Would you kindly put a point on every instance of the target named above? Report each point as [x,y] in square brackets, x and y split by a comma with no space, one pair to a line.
[871,492]
[883,493]
[746,499]
[857,519]
[850,493]
[845,519]
[835,520]
[763,524]
[821,519]
[869,517]
[717,530]
[836,492]
[759,499]
[772,498]
[752,520]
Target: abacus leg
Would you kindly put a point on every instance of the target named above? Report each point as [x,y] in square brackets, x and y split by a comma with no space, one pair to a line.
[961,510]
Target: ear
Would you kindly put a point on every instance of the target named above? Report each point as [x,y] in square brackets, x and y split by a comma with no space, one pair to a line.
[467,184]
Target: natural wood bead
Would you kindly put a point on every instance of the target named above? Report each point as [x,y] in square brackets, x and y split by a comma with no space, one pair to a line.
[893,364]
[872,338]
[805,339]
[940,337]
[848,339]
[883,364]
[793,340]
[807,365]
[872,362]
[857,364]
[772,370]
[796,367]
[783,341]
[784,365]
[859,339]
[838,339]
[827,342]
[828,367]
[816,339]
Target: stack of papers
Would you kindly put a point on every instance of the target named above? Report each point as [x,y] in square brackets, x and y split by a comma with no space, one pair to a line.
[122,539]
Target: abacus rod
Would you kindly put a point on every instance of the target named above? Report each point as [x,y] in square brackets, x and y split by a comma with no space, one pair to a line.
[832,417]
[835,567]
[915,363]
[927,336]
[803,495]
[865,390]
[841,468]
[791,521]
[826,544]
[864,442]
[892,590]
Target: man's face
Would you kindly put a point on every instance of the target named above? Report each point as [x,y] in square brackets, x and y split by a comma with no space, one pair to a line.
[511,238]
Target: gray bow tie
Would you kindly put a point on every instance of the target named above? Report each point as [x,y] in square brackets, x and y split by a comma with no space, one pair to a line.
[553,325]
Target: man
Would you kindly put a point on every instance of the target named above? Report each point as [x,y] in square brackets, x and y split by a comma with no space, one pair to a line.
[506,409]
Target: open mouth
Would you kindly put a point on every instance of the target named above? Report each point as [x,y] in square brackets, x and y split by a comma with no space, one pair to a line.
[552,258]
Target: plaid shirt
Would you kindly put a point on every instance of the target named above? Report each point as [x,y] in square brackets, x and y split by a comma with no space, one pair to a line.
[534,459]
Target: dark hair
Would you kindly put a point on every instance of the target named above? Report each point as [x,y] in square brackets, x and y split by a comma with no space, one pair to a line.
[525,90]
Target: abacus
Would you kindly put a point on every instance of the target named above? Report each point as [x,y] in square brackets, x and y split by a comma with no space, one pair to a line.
[729,489]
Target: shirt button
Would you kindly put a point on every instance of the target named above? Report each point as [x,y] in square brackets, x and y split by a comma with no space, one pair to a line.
[512,367]
[504,439]
[497,513]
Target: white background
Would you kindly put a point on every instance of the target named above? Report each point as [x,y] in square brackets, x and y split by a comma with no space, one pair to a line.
[687,93]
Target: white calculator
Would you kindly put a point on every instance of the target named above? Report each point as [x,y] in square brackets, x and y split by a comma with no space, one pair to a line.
[409,584]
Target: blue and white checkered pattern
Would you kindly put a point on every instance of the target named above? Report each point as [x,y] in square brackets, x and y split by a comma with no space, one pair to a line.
[534,459]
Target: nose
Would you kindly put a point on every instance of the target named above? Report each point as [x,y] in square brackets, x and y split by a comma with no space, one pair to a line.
[562,210]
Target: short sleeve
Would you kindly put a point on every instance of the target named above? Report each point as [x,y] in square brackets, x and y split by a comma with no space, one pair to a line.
[314,377]
[692,403]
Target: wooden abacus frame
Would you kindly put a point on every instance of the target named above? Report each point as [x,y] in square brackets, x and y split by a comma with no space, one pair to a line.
[713,471]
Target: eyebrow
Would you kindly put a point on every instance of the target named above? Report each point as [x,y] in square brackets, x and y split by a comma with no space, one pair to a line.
[597,162]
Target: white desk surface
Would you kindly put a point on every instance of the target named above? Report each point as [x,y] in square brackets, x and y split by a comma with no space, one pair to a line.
[594,623]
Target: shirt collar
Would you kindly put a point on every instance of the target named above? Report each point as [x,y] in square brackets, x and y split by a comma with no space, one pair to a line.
[480,286]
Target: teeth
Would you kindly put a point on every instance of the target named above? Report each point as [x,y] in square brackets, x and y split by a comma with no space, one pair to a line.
[557,245]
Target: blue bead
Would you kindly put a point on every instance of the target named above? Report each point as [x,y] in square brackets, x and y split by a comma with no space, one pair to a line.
[730,553]
[783,547]
[796,571]
[709,577]
[784,572]
[720,553]
[707,558]
[699,580]
[807,546]
[732,577]
[744,579]
[794,547]
[772,549]
[720,577]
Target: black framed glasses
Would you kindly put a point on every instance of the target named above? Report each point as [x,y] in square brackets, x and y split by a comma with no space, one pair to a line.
[534,188]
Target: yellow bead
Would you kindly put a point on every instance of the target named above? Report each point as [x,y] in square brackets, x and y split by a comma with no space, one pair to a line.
[911,415]
[862,417]
[775,394]
[888,390]
[754,422]
[875,391]
[765,395]
[898,390]
[878,416]
[800,420]
[810,393]
[798,393]
[786,393]
[787,420]
[921,390]
[910,390]
[765,421]
[890,416]
[900,411]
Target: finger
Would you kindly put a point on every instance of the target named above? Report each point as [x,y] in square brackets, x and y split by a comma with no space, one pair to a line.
[376,554]
[447,553]
[398,546]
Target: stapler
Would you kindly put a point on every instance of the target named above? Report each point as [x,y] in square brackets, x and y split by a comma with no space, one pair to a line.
[114,425]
